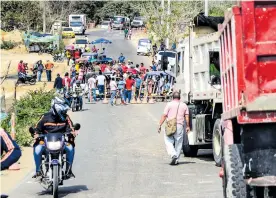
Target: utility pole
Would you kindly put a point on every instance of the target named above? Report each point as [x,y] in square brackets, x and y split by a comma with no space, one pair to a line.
[206,13]
[44,17]
[168,27]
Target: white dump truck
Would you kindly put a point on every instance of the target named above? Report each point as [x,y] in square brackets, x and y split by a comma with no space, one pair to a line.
[78,23]
[199,83]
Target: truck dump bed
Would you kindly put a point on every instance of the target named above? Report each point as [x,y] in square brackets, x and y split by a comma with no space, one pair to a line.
[248,62]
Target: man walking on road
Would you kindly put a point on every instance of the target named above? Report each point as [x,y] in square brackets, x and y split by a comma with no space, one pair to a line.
[49,66]
[175,109]
[58,84]
[39,70]
[100,83]
[92,88]
[113,90]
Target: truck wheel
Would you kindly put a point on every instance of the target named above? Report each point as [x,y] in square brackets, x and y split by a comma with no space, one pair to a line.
[233,182]
[217,146]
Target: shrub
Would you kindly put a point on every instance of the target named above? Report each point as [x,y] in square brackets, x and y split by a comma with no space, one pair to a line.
[28,111]
[7,45]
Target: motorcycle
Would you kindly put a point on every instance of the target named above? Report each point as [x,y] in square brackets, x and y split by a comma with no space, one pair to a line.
[27,79]
[53,160]
[58,58]
[76,103]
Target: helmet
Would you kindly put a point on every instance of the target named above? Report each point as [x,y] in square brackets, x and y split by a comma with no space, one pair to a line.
[59,108]
[78,82]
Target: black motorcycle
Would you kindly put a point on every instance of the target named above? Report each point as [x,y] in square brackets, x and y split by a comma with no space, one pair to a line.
[58,58]
[27,79]
[53,167]
[76,103]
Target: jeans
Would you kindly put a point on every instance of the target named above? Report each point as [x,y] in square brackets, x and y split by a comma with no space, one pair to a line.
[39,74]
[49,75]
[122,94]
[113,94]
[92,92]
[101,91]
[128,95]
[174,143]
[39,149]
[80,99]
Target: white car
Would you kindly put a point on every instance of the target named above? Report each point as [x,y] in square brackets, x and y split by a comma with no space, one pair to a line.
[105,24]
[144,47]
[81,43]
[137,22]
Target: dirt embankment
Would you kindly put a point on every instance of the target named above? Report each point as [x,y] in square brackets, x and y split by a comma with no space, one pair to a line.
[13,57]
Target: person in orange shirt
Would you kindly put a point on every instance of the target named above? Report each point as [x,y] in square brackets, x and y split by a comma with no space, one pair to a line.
[49,67]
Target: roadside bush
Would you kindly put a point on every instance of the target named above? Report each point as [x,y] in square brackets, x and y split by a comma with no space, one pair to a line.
[8,45]
[28,111]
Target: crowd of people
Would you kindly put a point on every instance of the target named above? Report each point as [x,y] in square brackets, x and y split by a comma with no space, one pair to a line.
[117,78]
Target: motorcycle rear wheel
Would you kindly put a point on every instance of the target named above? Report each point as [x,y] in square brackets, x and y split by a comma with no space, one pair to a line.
[55,181]
[32,82]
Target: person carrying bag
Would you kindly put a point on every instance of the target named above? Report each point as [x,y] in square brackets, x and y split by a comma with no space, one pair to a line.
[176,113]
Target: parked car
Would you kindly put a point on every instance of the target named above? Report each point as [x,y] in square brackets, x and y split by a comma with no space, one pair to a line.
[80,43]
[144,47]
[105,24]
[120,22]
[137,22]
[68,32]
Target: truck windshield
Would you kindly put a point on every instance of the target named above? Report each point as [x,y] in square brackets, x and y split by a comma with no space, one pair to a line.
[119,19]
[81,42]
[137,18]
[143,43]
[76,24]
[168,54]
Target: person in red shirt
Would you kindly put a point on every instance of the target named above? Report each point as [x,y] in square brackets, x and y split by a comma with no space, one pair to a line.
[66,81]
[128,92]
[124,67]
[143,68]
[21,67]
[103,66]
[77,54]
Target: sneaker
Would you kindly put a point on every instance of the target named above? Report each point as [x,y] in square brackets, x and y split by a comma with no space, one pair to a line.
[37,174]
[174,161]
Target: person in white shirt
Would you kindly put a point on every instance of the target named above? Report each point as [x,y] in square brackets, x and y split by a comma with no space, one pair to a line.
[71,62]
[161,84]
[137,68]
[100,83]
[113,90]
[92,88]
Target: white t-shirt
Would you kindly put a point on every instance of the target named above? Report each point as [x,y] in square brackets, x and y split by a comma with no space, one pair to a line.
[113,85]
[100,79]
[91,83]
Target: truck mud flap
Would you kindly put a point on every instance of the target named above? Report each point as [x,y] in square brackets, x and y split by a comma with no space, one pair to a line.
[204,127]
[259,146]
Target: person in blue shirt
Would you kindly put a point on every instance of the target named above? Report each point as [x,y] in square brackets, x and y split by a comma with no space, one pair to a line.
[121,58]
[138,83]
[121,87]
[167,86]
[154,66]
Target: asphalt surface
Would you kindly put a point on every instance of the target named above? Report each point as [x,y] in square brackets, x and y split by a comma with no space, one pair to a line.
[120,154]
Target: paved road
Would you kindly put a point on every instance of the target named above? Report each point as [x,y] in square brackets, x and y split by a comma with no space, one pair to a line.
[120,154]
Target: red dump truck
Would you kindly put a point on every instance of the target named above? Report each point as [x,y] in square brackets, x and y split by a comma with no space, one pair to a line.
[248,81]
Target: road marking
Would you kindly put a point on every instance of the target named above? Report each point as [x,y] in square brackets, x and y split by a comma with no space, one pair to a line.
[205,182]
[174,183]
[186,174]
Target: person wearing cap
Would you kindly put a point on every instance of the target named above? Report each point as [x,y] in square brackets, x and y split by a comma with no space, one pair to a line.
[58,84]
[49,67]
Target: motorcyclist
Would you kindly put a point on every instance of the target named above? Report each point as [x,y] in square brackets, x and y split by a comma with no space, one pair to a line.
[78,90]
[55,121]
[121,58]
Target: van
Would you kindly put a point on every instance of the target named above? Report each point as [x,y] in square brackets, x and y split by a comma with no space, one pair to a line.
[120,22]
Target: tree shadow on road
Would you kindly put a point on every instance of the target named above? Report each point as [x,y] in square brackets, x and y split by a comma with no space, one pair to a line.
[64,191]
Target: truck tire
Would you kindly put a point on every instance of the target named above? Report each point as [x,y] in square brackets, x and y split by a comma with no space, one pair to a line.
[188,150]
[217,146]
[233,182]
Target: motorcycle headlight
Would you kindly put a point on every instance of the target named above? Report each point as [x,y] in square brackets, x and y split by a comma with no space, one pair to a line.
[54,145]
